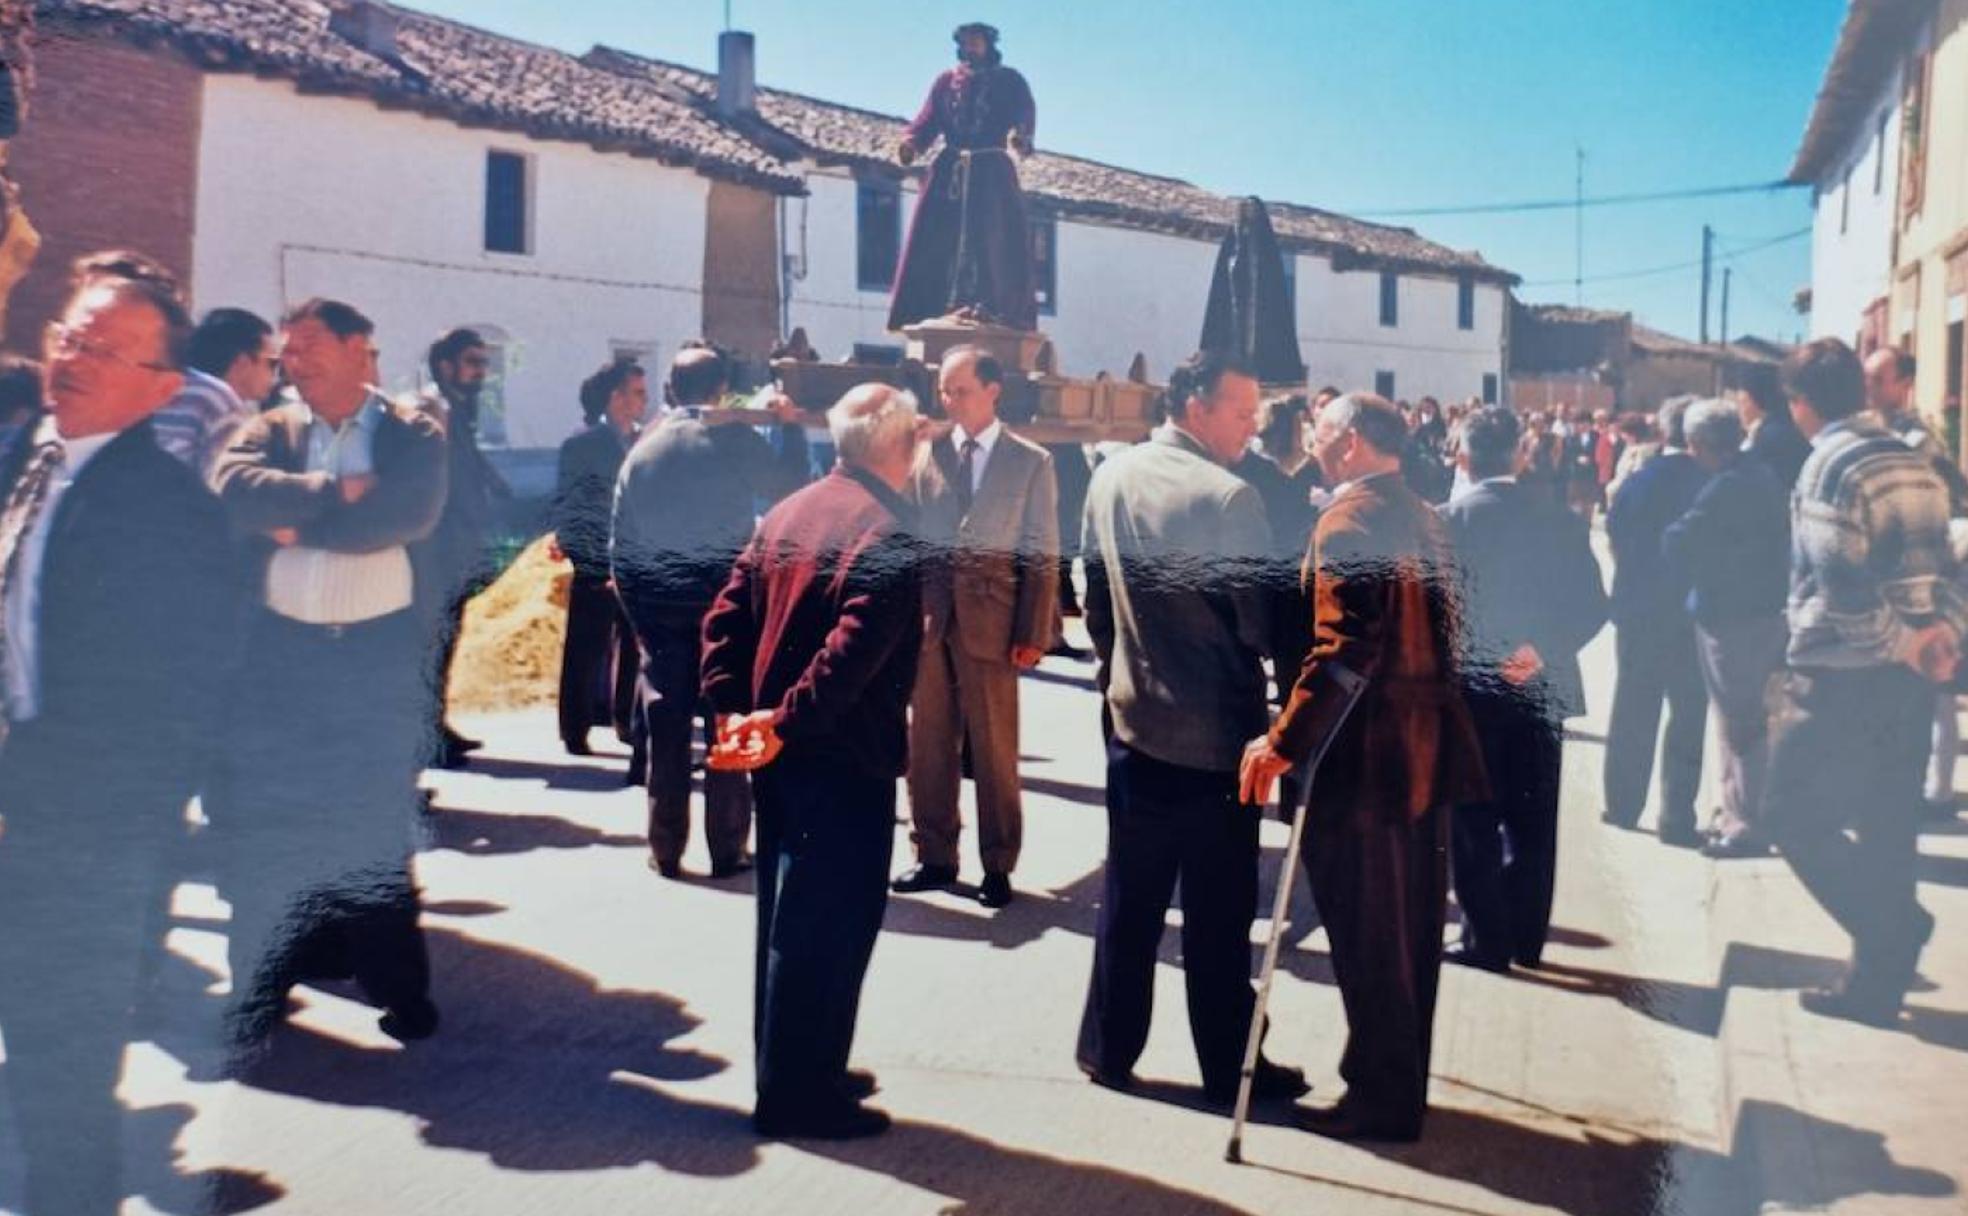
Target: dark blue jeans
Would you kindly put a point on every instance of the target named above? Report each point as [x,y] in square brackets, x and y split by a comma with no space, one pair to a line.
[825,836]
[1168,824]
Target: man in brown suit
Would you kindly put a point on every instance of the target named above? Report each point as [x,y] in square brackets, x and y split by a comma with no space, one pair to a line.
[1377,851]
[989,515]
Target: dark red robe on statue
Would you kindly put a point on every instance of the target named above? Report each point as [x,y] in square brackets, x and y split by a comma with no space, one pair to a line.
[969,245]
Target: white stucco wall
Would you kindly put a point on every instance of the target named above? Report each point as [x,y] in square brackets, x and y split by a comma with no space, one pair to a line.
[1852,250]
[312,195]
[1123,292]
[1344,344]
[821,233]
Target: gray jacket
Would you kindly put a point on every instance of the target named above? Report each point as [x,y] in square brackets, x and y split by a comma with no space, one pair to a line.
[1175,550]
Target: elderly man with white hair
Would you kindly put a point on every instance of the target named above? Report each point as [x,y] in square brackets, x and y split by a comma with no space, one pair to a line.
[1732,550]
[810,655]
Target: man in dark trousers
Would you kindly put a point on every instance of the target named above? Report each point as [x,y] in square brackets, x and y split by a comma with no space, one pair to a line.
[334,488]
[809,660]
[1531,600]
[1407,752]
[600,649]
[1876,624]
[1176,548]
[1655,644]
[685,503]
[453,563]
[1732,548]
[118,605]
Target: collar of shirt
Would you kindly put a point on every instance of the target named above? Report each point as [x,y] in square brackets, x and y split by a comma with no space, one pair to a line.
[76,453]
[1175,436]
[986,438]
[366,415]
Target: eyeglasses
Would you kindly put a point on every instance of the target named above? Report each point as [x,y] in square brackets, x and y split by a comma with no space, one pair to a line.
[61,340]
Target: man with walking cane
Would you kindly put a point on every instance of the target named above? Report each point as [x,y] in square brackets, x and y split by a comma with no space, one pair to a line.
[1378,855]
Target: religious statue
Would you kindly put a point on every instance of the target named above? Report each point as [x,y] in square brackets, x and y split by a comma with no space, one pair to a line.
[969,252]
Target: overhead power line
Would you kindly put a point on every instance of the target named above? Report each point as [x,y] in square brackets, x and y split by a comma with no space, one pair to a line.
[1672,267]
[1563,204]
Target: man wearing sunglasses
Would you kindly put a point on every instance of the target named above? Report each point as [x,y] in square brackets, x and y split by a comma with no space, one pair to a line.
[232,366]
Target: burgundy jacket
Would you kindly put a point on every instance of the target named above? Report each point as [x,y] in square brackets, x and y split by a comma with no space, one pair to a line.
[821,621]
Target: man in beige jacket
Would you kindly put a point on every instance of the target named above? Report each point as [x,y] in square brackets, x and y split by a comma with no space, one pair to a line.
[988,507]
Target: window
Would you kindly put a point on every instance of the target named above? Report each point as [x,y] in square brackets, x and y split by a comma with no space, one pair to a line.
[1390,298]
[1045,262]
[1489,388]
[1384,384]
[506,203]
[878,233]
[1465,303]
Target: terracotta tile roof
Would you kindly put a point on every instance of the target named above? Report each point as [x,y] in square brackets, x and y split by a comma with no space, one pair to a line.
[1876,33]
[793,125]
[443,68]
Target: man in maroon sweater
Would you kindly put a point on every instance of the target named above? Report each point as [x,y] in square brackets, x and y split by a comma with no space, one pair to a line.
[809,659]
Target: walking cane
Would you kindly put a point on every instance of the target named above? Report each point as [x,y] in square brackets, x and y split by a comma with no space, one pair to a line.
[1337,704]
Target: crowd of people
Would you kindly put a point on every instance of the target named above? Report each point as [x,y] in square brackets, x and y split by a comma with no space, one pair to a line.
[223,531]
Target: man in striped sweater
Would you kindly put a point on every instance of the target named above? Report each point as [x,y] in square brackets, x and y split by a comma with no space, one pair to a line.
[1876,622]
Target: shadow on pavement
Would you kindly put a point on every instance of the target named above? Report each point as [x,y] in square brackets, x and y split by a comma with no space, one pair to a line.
[1589,1171]
[534,1067]
[589,778]
[1691,1006]
[488,834]
[1067,791]
[149,1135]
[1084,683]
[982,1176]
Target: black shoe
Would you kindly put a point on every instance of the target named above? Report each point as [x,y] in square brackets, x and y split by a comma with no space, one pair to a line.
[1462,956]
[996,891]
[924,878]
[1270,1083]
[847,1121]
[1622,822]
[1680,835]
[1119,1082]
[409,1023]
[731,869]
[858,1084]
[1066,650]
[463,744]
[668,869]
[1742,844]
[578,747]
[1341,1122]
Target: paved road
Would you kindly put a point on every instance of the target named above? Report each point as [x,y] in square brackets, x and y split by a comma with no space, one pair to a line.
[595,1055]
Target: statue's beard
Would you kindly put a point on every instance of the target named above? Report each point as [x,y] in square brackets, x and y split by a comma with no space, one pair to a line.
[974,60]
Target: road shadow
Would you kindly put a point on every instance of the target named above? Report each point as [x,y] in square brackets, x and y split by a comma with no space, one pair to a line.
[1943,871]
[153,1132]
[1695,1007]
[490,834]
[584,778]
[1083,683]
[1580,736]
[981,1177]
[535,1068]
[1578,939]
[1066,791]
[1572,1167]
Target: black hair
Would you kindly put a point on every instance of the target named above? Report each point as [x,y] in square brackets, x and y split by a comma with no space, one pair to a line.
[1489,438]
[597,390]
[20,388]
[143,278]
[342,320]
[223,337]
[1199,377]
[988,367]
[1826,374]
[699,381]
[452,347]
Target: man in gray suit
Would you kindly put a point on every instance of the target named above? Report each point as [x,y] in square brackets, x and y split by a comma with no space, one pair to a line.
[989,516]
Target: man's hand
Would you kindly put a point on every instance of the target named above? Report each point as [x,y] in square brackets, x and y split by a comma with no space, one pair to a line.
[285,536]
[906,152]
[1025,658]
[1262,767]
[357,487]
[745,743]
[1934,652]
[555,553]
[786,409]
[1523,666]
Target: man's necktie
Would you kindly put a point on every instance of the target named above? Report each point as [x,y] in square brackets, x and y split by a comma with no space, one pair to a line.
[24,506]
[966,475]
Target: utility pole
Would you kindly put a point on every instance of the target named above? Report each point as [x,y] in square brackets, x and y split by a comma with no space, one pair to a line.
[1726,272]
[1708,258]
[1578,231]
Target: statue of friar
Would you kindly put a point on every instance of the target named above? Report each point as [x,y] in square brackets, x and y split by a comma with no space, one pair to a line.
[969,251]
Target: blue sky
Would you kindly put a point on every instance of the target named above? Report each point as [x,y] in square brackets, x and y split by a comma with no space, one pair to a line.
[1357,105]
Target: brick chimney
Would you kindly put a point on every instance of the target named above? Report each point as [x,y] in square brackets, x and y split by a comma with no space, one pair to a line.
[367,24]
[737,85]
